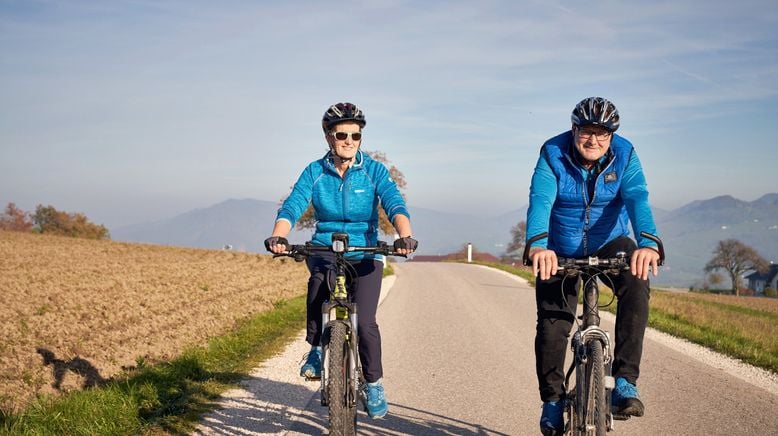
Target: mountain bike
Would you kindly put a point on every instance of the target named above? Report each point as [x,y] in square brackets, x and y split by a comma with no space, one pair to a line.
[342,381]
[588,403]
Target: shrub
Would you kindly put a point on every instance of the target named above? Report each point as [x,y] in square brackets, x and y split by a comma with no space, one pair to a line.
[770,292]
[49,220]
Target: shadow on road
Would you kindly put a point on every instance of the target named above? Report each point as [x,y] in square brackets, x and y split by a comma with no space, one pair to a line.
[273,407]
[404,420]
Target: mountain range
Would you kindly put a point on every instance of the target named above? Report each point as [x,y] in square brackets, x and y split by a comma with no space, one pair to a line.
[690,233]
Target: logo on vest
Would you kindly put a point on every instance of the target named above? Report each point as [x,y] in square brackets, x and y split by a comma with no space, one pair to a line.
[610,177]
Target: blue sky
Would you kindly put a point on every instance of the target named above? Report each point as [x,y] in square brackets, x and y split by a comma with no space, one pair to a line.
[132,111]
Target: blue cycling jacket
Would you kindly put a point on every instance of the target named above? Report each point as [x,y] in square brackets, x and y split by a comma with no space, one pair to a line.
[348,204]
[577,222]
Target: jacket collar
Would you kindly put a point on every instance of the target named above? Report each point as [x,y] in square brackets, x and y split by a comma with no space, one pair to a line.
[359,159]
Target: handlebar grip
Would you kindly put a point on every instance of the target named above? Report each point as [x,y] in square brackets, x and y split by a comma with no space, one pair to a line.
[532,240]
[660,246]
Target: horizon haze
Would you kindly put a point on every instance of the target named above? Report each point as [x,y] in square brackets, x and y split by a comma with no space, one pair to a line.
[130,111]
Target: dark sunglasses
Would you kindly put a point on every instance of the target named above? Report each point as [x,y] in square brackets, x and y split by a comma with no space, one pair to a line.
[341,136]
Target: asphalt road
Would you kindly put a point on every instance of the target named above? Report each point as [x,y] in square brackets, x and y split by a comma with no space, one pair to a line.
[459,360]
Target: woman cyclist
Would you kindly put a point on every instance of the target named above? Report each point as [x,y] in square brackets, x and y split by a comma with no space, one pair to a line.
[345,187]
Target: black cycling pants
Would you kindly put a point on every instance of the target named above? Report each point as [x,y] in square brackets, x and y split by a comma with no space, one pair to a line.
[556,312]
[365,294]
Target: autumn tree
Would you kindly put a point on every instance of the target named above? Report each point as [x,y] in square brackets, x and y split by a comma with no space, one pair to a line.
[49,220]
[15,219]
[518,237]
[735,258]
[308,220]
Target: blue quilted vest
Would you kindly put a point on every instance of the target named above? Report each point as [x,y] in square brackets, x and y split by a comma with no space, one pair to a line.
[580,225]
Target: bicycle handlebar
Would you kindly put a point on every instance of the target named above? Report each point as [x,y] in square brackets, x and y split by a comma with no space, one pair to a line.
[299,252]
[594,261]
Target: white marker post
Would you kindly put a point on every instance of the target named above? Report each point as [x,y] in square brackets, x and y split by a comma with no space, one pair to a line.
[469,252]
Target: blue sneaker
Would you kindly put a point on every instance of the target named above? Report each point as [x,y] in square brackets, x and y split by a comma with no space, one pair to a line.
[374,399]
[311,369]
[625,400]
[551,419]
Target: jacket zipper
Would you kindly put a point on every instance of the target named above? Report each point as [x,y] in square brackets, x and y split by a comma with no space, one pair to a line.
[589,206]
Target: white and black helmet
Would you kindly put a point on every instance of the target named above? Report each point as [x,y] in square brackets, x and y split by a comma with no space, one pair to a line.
[596,111]
[341,112]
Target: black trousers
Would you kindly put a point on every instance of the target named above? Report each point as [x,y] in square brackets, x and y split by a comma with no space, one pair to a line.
[556,313]
[365,293]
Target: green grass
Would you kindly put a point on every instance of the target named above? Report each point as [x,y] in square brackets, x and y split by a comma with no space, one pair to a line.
[169,397]
[521,272]
[388,270]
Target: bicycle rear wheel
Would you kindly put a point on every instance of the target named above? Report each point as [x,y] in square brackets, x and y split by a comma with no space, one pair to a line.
[596,403]
[342,405]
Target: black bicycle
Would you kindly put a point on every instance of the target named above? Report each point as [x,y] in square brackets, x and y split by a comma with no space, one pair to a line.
[342,381]
[588,403]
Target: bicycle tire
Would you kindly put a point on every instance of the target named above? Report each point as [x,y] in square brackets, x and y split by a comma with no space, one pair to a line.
[342,407]
[596,407]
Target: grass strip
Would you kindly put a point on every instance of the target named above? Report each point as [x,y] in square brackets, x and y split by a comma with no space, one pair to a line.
[722,341]
[169,397]
[515,270]
[731,308]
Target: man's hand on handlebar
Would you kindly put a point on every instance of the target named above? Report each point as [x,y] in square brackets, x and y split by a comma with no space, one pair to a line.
[544,262]
[405,246]
[641,260]
[276,244]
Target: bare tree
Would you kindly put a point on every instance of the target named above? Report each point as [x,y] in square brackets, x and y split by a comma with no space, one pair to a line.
[308,220]
[15,219]
[518,237]
[735,258]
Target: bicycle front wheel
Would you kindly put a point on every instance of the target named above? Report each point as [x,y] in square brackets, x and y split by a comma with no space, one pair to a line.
[596,404]
[342,407]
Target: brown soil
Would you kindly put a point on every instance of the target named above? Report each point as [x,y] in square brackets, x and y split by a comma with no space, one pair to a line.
[73,312]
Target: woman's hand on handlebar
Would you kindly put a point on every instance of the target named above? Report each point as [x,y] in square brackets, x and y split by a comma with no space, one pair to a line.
[644,260]
[405,246]
[276,244]
[544,262]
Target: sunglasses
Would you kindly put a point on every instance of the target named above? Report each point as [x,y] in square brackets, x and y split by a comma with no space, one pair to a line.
[341,136]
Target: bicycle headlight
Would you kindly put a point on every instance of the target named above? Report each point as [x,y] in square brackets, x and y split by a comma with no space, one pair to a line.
[338,246]
[339,242]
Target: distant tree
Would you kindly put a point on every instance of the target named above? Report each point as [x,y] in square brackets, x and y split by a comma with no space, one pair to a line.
[308,220]
[15,219]
[715,278]
[735,258]
[518,237]
[49,220]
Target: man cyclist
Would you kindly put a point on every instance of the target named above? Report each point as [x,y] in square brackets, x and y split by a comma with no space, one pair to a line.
[587,185]
[345,187]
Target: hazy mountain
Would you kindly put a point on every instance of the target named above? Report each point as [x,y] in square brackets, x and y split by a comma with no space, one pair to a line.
[690,233]
[242,224]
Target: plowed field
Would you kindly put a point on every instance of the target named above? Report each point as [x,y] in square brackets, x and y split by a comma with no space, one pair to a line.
[73,312]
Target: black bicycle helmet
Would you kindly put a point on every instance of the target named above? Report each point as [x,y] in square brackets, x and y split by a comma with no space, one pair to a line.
[340,112]
[596,111]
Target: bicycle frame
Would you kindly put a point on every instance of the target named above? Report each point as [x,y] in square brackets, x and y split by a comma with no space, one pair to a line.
[339,308]
[592,356]
[339,317]
[588,331]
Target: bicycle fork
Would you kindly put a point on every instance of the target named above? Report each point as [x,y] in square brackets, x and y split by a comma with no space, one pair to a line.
[581,356]
[340,310]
